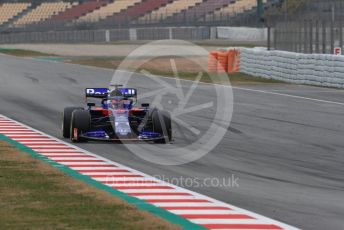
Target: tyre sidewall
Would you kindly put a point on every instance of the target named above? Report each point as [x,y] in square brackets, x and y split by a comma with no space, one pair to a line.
[80,123]
[66,120]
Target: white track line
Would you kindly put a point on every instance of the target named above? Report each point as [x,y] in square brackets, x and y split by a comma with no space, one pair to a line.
[69,155]
[33,140]
[25,135]
[73,158]
[186,204]
[108,174]
[11,128]
[253,90]
[102,163]
[181,212]
[132,185]
[92,168]
[56,150]
[227,221]
[134,180]
[162,198]
[43,146]
[42,142]
[290,95]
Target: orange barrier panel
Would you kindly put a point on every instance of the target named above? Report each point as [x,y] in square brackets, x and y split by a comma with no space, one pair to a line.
[224,61]
[212,62]
[222,57]
[231,55]
[233,61]
[237,61]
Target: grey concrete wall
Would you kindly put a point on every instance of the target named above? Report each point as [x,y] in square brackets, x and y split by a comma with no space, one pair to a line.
[55,37]
[233,34]
[87,36]
[242,34]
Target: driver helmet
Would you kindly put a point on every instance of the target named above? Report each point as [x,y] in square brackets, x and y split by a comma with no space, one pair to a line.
[119,101]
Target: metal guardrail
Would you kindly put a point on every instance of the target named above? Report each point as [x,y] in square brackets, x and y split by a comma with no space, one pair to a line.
[94,36]
[316,28]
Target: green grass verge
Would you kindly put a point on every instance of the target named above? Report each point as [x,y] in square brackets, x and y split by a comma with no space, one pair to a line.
[235,78]
[97,62]
[23,53]
[114,62]
[35,195]
[245,78]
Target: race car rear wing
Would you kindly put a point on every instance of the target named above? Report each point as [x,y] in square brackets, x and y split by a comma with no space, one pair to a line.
[128,92]
[104,92]
[97,92]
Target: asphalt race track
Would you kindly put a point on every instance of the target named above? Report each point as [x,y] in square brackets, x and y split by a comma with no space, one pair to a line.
[285,143]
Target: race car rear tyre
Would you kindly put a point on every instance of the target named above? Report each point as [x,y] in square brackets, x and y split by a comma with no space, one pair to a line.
[162,124]
[80,123]
[67,117]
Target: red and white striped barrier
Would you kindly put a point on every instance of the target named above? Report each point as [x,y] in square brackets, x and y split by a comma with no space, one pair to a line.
[197,208]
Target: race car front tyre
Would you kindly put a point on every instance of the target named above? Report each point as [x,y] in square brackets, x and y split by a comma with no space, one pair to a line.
[67,117]
[80,123]
[162,124]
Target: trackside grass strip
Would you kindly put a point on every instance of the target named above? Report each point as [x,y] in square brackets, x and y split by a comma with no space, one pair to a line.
[23,53]
[34,195]
[155,68]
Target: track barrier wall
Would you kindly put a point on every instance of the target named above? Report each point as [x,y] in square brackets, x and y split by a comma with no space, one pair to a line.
[212,62]
[224,61]
[310,69]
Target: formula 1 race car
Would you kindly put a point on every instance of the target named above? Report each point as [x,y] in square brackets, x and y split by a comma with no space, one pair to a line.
[116,118]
